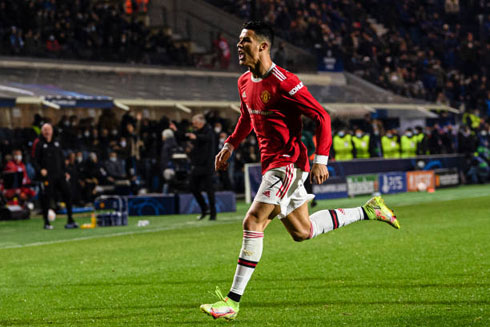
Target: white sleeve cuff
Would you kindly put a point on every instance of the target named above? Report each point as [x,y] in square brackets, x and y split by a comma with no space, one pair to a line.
[319,159]
[229,146]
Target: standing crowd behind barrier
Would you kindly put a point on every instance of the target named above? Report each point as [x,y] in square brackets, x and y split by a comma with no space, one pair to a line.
[131,156]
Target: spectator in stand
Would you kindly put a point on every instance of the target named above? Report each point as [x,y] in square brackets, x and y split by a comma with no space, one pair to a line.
[467,142]
[169,147]
[434,143]
[375,147]
[93,175]
[447,139]
[53,47]
[134,144]
[222,49]
[104,144]
[16,41]
[421,141]
[114,168]
[22,190]
[280,57]
[72,168]
[484,137]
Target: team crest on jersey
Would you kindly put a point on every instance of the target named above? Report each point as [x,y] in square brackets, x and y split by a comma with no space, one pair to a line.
[265,96]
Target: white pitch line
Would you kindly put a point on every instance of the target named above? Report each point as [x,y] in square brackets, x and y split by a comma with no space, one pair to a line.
[474,193]
[159,229]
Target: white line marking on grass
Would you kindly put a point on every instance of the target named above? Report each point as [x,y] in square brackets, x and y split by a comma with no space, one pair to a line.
[143,231]
[418,198]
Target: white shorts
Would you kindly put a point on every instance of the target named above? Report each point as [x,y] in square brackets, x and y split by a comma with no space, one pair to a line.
[284,186]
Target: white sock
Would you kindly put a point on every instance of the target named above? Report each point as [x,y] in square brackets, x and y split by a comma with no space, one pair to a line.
[324,221]
[249,257]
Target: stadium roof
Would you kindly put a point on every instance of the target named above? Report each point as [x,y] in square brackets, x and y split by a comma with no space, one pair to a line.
[68,84]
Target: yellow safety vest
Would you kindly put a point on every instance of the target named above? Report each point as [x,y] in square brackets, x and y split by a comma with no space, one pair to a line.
[409,146]
[343,147]
[361,144]
[475,120]
[391,147]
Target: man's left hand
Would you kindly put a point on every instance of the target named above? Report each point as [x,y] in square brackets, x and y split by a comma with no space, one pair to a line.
[191,136]
[319,173]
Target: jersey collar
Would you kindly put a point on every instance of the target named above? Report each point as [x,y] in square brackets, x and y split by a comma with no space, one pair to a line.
[256,80]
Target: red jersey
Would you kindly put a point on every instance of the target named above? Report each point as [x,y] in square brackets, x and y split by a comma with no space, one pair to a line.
[16,167]
[273,106]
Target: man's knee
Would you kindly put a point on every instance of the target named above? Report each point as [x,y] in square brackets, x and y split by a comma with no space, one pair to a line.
[254,222]
[300,235]
[251,221]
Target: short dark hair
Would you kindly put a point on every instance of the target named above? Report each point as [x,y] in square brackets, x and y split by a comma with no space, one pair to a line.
[261,29]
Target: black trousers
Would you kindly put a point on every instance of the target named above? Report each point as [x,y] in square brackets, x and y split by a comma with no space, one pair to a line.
[48,194]
[203,181]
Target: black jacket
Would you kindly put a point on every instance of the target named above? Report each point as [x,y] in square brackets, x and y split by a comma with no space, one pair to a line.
[49,156]
[204,150]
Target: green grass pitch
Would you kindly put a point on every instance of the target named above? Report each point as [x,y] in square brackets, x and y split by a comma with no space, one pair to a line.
[435,271]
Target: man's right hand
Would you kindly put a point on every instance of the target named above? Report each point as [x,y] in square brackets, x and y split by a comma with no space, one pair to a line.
[221,160]
[44,172]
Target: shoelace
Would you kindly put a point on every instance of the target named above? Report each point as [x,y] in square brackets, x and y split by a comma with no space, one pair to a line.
[218,294]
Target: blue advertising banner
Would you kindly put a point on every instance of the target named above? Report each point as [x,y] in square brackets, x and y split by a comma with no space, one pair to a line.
[225,202]
[7,102]
[393,182]
[379,165]
[333,188]
[151,205]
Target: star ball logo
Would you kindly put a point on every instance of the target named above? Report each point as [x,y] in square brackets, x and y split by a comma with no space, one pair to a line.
[265,96]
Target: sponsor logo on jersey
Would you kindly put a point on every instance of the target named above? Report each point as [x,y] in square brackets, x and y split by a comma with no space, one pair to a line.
[296,88]
[259,112]
[244,95]
[265,96]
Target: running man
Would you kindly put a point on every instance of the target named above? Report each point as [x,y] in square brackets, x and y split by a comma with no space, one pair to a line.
[272,102]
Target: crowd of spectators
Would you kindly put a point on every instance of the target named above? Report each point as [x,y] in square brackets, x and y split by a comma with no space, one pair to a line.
[85,30]
[134,155]
[437,50]
[130,155]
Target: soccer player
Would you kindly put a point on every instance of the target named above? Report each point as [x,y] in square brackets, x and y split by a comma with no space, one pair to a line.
[272,102]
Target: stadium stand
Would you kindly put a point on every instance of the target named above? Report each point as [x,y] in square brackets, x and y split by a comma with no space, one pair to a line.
[437,51]
[86,30]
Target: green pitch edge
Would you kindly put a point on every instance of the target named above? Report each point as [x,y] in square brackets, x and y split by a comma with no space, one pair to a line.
[15,234]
